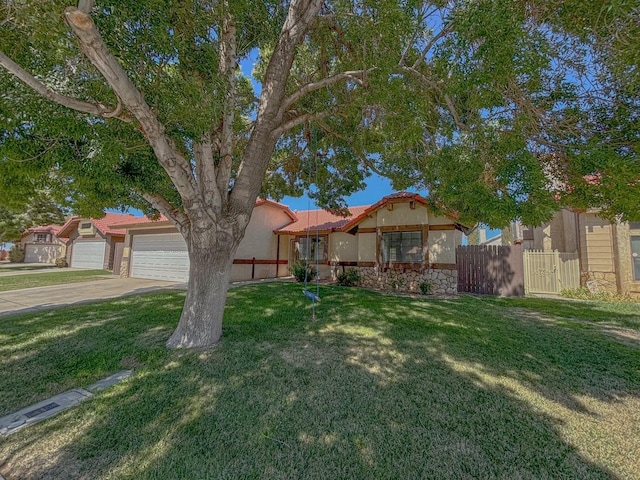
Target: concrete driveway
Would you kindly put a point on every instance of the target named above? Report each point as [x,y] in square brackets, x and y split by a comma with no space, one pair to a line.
[38,298]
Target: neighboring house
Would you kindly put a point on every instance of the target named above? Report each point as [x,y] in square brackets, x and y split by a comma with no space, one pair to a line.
[155,249]
[43,244]
[95,243]
[397,241]
[609,253]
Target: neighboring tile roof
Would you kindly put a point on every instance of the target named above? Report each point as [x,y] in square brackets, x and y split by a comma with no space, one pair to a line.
[52,229]
[164,220]
[312,220]
[106,225]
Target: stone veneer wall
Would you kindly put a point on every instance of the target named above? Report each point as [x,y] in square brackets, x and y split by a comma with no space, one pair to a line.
[605,281]
[443,281]
[124,267]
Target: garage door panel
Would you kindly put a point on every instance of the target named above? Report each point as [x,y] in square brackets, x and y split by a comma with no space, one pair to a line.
[88,254]
[160,257]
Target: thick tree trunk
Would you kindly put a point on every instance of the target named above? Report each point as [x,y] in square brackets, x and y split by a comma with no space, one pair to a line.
[211,257]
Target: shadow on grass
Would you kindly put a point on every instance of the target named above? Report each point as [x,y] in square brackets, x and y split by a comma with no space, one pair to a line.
[379,387]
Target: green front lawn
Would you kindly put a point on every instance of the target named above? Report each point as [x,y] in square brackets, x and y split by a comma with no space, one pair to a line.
[28,266]
[380,386]
[17,282]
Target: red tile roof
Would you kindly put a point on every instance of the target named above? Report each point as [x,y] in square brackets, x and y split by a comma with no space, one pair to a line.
[164,220]
[107,225]
[312,220]
[52,229]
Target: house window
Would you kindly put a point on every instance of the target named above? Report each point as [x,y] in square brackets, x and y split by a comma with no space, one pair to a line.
[309,246]
[403,247]
[41,237]
[635,257]
[85,226]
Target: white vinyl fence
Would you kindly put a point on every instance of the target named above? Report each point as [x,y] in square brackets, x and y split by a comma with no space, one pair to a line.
[550,272]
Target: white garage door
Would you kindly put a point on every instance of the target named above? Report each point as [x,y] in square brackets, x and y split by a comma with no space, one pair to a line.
[160,257]
[88,254]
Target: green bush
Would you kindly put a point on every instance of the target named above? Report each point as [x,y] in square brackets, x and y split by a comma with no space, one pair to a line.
[349,278]
[303,270]
[425,288]
[61,262]
[16,254]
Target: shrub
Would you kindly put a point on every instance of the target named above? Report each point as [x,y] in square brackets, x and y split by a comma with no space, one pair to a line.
[349,278]
[61,262]
[425,288]
[16,254]
[303,270]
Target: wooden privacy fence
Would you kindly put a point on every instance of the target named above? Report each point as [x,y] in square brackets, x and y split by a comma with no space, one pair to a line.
[490,269]
[550,272]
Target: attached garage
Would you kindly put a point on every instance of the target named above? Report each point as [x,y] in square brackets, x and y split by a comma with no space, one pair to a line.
[88,254]
[160,257]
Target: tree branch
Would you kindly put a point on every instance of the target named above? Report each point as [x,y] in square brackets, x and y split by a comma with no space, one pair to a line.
[228,48]
[263,138]
[294,122]
[431,43]
[206,170]
[356,151]
[97,109]
[93,46]
[173,214]
[449,102]
[356,75]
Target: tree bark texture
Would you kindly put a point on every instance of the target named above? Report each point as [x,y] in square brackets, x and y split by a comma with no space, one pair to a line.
[211,258]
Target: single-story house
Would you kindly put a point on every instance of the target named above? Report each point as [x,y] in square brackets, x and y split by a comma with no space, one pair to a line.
[95,243]
[398,242]
[154,249]
[43,244]
[608,253]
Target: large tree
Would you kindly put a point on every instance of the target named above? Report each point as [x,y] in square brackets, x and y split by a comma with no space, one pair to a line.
[144,104]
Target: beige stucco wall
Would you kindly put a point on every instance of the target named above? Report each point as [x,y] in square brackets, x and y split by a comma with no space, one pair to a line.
[259,240]
[369,222]
[343,247]
[367,247]
[402,214]
[439,220]
[442,245]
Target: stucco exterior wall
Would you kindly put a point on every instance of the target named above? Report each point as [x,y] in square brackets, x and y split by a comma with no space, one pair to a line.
[343,247]
[369,222]
[402,214]
[442,245]
[259,240]
[367,247]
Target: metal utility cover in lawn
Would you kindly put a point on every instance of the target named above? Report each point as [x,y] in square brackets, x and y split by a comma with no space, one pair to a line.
[109,381]
[40,411]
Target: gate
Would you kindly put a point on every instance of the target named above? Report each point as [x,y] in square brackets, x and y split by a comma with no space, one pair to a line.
[550,272]
[490,269]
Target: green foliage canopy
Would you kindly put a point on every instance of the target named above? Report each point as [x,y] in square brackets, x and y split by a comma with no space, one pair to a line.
[501,109]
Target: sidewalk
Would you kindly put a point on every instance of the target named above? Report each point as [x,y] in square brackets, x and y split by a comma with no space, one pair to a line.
[39,298]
